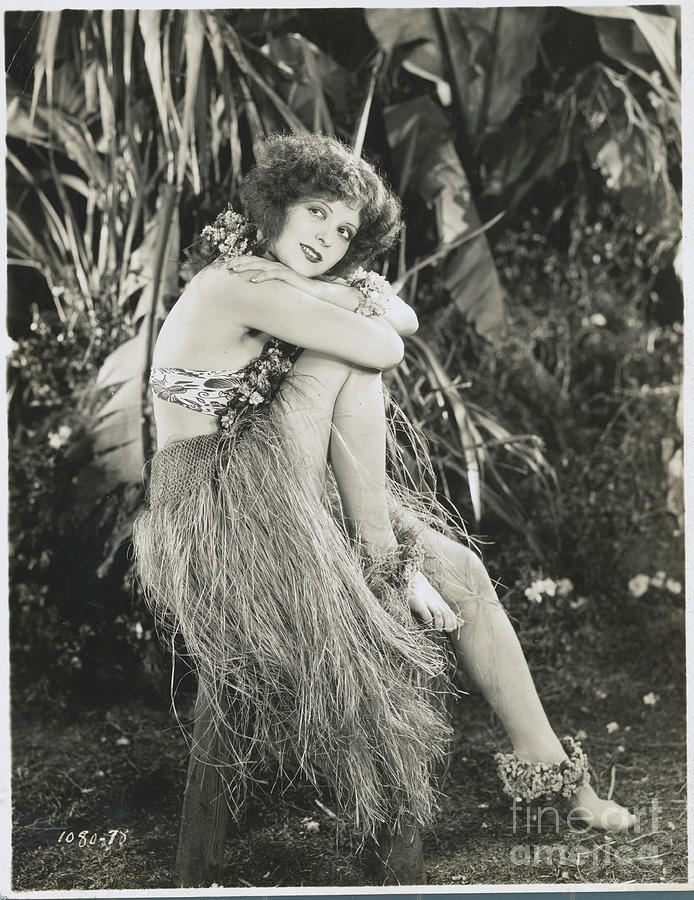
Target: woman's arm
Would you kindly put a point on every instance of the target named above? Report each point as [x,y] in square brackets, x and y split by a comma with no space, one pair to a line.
[336,291]
[294,316]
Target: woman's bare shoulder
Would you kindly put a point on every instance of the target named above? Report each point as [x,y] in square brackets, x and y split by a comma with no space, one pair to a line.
[218,282]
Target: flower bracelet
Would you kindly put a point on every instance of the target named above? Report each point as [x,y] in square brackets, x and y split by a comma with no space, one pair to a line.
[375,290]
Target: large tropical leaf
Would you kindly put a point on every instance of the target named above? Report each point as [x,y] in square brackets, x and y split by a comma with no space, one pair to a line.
[659,32]
[418,131]
[484,52]
[120,431]
[490,51]
[318,84]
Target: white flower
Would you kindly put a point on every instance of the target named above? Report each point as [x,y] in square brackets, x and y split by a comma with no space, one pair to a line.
[598,319]
[138,629]
[650,699]
[533,594]
[581,735]
[638,585]
[549,587]
[578,603]
[564,587]
[658,580]
[600,694]
[59,438]
[310,825]
[612,726]
[673,586]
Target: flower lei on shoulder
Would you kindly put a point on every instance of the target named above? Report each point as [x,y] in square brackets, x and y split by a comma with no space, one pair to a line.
[230,235]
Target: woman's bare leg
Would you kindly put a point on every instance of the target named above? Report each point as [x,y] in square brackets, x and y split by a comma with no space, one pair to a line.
[358,454]
[486,645]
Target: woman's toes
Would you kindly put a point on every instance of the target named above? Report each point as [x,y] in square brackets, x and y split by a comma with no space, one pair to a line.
[604,815]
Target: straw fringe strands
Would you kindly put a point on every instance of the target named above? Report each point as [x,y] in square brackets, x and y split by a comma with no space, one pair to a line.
[307,668]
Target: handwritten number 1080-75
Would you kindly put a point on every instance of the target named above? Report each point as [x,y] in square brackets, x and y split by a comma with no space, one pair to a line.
[113,837]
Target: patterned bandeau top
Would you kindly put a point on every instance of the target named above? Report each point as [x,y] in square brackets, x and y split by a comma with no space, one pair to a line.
[226,393]
[202,391]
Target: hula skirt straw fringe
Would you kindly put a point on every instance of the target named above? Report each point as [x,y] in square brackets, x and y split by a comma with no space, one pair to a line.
[309,652]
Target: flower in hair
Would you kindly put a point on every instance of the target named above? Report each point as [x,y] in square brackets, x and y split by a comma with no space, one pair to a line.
[230,235]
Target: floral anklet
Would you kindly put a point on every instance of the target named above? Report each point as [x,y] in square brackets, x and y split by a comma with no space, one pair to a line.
[535,781]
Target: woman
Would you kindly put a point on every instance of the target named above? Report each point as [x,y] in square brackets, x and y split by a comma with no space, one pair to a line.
[276,542]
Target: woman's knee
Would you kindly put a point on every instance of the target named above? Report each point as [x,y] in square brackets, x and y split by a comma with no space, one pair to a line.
[465,582]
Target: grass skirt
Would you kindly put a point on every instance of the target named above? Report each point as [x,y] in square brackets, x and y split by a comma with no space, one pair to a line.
[310,656]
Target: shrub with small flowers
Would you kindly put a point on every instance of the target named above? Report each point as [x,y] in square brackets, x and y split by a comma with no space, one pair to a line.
[547,587]
[588,368]
[62,611]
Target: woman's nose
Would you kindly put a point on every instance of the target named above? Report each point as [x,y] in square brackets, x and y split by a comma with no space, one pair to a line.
[323,237]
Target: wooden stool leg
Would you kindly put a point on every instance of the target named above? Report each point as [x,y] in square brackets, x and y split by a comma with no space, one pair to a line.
[398,858]
[205,816]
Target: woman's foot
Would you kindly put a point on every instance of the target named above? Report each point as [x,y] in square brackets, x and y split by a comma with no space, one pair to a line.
[586,806]
[605,815]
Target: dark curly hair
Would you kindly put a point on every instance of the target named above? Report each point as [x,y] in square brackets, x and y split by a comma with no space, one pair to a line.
[294,167]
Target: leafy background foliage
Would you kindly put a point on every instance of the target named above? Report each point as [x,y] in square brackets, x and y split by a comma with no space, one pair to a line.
[538,156]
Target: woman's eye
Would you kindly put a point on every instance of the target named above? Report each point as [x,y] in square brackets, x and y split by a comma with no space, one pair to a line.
[346,234]
[317,211]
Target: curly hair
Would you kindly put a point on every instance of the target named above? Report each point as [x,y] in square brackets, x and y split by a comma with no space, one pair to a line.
[294,167]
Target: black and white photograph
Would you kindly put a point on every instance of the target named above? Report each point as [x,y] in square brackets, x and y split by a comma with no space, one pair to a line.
[345,437]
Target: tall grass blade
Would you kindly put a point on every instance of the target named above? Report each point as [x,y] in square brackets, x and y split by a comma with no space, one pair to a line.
[194,36]
[149,21]
[234,46]
[45,58]
[363,120]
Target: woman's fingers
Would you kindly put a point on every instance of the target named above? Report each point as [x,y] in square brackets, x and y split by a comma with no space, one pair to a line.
[267,275]
[248,263]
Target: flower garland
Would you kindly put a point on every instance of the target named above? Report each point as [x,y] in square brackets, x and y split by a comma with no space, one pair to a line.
[260,381]
[230,235]
[535,781]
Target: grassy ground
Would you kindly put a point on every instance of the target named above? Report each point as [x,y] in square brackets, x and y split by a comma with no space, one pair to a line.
[118,775]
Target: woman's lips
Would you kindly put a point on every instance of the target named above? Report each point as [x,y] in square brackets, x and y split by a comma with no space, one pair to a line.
[313,256]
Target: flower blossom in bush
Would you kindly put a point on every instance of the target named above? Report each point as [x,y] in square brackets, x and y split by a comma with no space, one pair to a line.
[638,585]
[59,438]
[547,587]
[650,699]
[612,727]
[658,580]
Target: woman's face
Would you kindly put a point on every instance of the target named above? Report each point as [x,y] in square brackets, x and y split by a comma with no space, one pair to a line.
[316,235]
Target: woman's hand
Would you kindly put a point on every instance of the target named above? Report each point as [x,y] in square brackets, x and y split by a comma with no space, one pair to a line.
[426,603]
[269,270]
